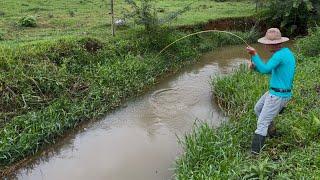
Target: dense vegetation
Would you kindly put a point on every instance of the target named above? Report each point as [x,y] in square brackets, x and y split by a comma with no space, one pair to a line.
[224,153]
[294,17]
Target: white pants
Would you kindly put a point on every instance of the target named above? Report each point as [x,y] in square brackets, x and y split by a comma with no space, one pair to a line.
[266,109]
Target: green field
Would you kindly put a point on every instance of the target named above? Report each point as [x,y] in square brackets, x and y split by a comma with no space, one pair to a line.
[82,18]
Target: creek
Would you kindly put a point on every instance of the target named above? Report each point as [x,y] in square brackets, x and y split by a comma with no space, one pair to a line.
[139,141]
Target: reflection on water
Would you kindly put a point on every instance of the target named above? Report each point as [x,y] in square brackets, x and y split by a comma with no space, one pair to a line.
[139,141]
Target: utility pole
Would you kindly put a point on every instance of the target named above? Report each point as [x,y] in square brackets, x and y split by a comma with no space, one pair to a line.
[112,18]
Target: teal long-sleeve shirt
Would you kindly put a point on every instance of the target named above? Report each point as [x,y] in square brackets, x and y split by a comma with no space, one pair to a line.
[281,66]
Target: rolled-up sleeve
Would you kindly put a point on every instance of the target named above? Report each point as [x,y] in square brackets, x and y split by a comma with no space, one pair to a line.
[265,68]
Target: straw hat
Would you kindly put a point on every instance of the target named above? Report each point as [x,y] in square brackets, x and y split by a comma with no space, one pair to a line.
[273,36]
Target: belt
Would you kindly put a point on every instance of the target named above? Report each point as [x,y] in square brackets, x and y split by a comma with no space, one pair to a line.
[281,90]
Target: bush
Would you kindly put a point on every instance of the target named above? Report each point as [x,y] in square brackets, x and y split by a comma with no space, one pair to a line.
[145,13]
[28,21]
[310,46]
[293,17]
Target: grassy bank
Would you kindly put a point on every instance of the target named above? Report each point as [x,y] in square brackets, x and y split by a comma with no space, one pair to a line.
[224,153]
[81,17]
[48,87]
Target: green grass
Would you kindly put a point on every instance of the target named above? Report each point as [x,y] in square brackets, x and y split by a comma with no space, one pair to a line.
[50,86]
[81,17]
[224,153]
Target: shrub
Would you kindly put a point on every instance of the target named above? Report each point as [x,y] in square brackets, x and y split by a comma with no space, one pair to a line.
[292,16]
[310,46]
[145,13]
[28,21]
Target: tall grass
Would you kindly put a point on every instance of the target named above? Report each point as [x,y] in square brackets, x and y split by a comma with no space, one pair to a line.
[224,153]
[48,87]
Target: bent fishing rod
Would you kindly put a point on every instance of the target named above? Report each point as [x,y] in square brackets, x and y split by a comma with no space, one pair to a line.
[201,32]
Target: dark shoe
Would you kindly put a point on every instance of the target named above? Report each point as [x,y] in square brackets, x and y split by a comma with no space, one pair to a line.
[257,143]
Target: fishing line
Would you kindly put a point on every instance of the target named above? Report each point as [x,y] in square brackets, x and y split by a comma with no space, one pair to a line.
[201,32]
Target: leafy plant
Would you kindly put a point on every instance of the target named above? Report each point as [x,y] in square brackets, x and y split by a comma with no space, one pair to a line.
[263,170]
[292,16]
[145,13]
[28,21]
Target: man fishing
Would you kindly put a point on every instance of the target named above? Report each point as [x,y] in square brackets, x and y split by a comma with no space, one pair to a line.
[281,66]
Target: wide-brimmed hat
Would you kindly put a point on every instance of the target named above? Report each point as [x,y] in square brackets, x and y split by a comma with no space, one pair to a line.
[273,36]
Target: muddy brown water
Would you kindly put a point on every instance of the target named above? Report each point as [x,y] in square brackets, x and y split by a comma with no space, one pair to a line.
[139,141]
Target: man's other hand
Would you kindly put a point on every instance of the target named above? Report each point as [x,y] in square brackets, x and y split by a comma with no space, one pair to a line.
[251,65]
[252,51]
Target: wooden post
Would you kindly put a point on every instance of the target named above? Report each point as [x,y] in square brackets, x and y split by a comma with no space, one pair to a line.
[112,18]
